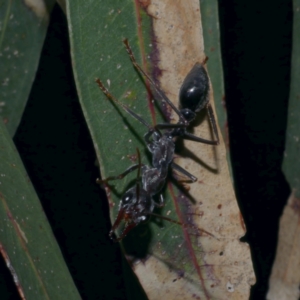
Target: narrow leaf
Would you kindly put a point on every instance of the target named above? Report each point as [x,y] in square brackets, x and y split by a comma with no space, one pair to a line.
[27,243]
[285,277]
[22,33]
[205,260]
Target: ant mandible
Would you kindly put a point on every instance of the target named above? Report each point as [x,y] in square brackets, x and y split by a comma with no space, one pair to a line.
[137,204]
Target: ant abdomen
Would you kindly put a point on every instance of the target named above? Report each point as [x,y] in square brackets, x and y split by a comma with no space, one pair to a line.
[194,90]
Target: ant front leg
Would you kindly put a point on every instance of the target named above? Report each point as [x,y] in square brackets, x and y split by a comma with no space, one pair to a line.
[129,170]
[120,176]
[128,228]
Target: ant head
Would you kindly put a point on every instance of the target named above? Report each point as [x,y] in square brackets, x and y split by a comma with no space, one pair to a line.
[194,89]
[135,207]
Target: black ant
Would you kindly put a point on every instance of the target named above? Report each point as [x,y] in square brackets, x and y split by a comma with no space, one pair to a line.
[137,203]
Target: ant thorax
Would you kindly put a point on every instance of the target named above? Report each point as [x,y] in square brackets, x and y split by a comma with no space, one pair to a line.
[153,179]
[162,151]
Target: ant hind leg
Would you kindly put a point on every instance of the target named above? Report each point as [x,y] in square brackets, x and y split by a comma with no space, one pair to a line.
[183,171]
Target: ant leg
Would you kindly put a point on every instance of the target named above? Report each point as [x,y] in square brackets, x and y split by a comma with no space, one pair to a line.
[161,201]
[129,170]
[117,222]
[212,120]
[122,175]
[122,212]
[183,171]
[170,126]
[125,107]
[129,227]
[158,91]
[192,137]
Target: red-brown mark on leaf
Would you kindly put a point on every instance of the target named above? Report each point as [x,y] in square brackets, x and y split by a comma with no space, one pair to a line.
[198,214]
[180,274]
[183,202]
[155,59]
[227,143]
[27,178]
[132,157]
[219,207]
[296,205]
[242,222]
[17,228]
[1,196]
[141,4]
[224,101]
[130,259]
[128,94]
[157,72]
[144,3]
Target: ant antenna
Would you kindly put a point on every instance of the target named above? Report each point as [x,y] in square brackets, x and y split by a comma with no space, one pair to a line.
[153,84]
[138,176]
[125,107]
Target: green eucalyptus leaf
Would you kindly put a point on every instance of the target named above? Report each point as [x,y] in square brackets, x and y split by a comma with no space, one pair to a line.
[211,35]
[201,253]
[291,162]
[23,28]
[26,240]
[285,277]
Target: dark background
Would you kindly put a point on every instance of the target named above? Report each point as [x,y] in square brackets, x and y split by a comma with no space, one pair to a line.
[256,46]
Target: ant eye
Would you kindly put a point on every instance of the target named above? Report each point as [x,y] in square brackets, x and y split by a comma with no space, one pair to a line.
[127,197]
[145,218]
